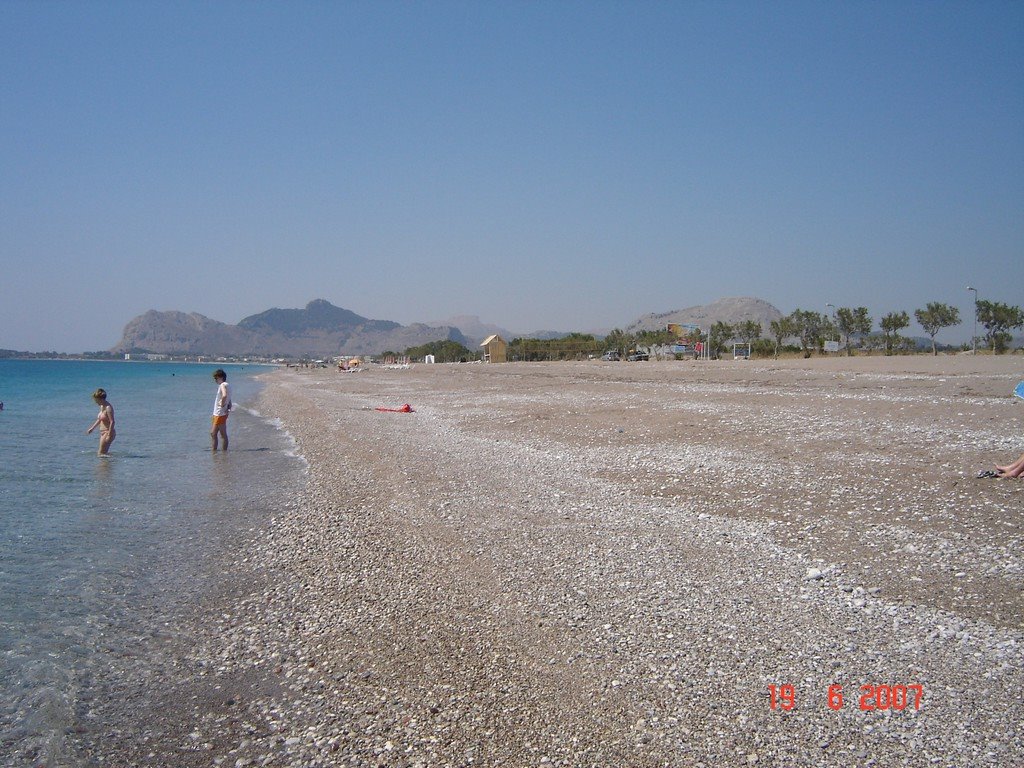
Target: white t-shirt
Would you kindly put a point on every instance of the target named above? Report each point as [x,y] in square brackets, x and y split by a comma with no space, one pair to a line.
[222,403]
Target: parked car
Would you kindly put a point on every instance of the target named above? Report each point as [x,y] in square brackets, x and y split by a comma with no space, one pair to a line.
[611,355]
[638,355]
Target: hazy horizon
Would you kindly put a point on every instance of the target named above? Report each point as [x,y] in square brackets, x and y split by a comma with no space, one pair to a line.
[563,166]
[945,337]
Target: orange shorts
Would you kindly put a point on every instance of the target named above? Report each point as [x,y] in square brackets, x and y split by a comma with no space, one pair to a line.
[219,420]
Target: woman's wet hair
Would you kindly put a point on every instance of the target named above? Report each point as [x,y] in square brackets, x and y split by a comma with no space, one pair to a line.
[99,394]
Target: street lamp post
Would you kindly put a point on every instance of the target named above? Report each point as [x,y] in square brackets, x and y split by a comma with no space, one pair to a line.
[974,339]
[834,326]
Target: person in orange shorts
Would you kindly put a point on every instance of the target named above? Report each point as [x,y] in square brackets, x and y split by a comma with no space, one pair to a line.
[221,409]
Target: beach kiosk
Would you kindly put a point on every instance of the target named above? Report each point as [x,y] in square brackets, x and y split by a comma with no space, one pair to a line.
[495,349]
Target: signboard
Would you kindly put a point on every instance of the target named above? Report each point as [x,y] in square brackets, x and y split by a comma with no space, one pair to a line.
[831,346]
[681,330]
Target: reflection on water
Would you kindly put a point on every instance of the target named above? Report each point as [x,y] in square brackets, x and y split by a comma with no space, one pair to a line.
[104,475]
[222,475]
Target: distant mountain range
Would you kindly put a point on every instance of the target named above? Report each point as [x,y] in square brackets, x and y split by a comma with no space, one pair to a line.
[476,330]
[730,310]
[321,329]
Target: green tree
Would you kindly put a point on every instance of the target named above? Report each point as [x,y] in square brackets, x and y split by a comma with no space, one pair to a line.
[809,327]
[572,346]
[998,319]
[748,330]
[719,336]
[655,338]
[853,322]
[891,325]
[444,351]
[782,329]
[934,317]
[652,340]
[619,341]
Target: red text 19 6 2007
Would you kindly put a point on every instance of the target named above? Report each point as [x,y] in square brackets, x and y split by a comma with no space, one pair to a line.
[872,697]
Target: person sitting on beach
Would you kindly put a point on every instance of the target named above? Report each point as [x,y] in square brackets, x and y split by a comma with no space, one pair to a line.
[221,409]
[105,421]
[1016,469]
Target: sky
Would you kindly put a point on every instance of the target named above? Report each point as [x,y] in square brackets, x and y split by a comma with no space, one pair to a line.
[543,165]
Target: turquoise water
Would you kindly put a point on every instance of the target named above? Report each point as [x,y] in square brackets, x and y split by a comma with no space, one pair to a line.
[99,555]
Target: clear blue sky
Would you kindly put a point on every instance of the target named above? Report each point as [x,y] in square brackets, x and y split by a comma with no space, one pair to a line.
[545,165]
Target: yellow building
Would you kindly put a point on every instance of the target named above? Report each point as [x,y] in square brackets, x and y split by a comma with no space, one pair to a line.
[495,349]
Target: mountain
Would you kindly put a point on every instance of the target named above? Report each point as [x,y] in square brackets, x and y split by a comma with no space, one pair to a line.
[476,330]
[731,310]
[181,333]
[318,330]
[318,315]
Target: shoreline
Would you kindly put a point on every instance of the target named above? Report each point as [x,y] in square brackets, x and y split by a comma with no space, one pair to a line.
[603,564]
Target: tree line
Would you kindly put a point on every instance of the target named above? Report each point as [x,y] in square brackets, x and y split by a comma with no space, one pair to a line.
[852,327]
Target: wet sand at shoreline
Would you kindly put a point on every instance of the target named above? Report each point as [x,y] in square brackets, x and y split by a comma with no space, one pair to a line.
[610,564]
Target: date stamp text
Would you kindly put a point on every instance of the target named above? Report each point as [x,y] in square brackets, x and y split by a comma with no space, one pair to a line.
[872,697]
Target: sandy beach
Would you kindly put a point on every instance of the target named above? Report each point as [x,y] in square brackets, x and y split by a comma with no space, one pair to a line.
[773,563]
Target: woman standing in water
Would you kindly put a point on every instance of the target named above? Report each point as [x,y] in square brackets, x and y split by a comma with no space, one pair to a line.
[221,409]
[105,421]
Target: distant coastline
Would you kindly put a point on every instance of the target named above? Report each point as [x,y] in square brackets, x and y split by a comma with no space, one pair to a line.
[117,357]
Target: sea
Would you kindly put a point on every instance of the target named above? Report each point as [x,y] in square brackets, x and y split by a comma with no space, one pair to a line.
[104,561]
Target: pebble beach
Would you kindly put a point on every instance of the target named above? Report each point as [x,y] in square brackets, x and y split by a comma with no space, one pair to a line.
[728,563]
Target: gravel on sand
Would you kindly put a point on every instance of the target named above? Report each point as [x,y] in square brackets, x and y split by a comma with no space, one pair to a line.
[616,564]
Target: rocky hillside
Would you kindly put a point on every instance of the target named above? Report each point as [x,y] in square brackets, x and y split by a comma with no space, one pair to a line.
[474,329]
[318,330]
[732,311]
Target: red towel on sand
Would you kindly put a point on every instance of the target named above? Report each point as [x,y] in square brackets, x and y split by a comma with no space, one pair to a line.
[404,409]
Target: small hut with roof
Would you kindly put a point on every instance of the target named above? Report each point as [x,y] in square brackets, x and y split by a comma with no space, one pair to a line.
[495,349]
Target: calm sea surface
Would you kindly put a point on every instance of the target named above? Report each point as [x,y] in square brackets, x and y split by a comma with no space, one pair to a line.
[100,555]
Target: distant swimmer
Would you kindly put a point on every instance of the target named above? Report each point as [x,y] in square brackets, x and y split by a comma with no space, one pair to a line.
[105,421]
[221,409]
